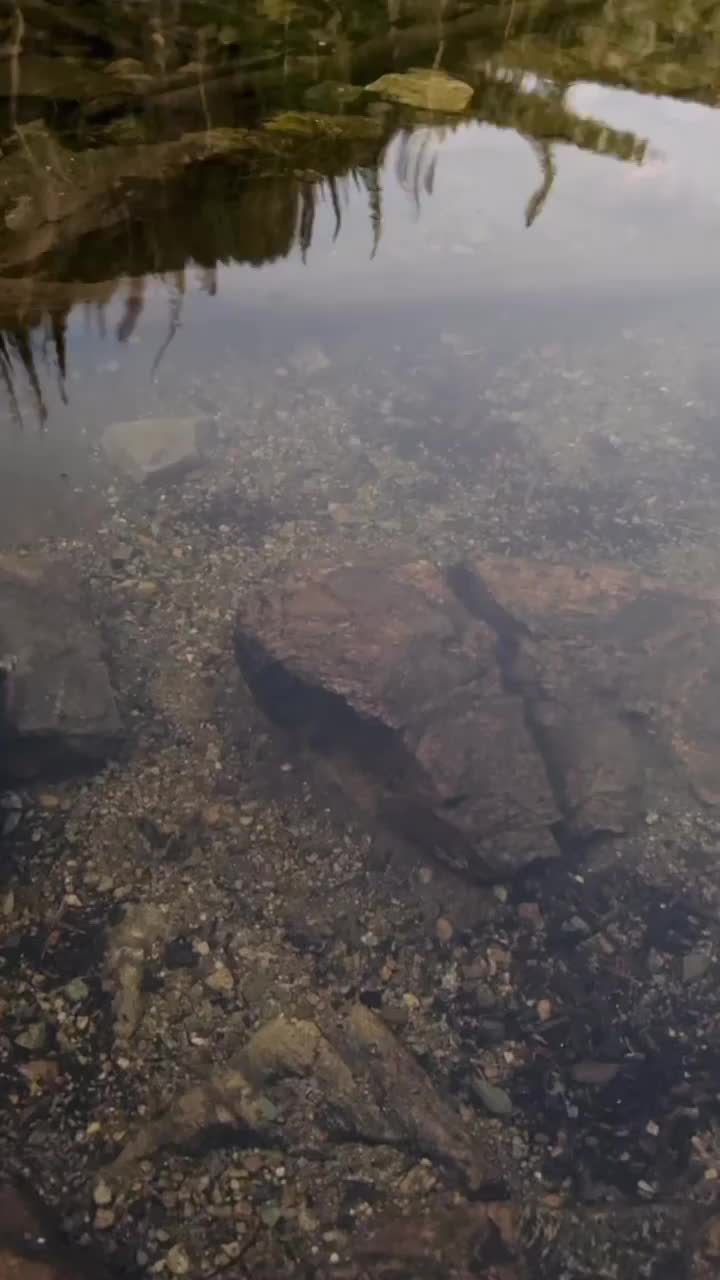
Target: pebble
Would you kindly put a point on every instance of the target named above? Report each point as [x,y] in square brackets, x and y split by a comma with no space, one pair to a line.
[221,980]
[104,1219]
[177,1261]
[494,1099]
[102,1193]
[695,965]
[47,800]
[531,914]
[33,1038]
[490,1031]
[444,930]
[40,1072]
[77,990]
[597,1073]
[271,1215]
[544,1010]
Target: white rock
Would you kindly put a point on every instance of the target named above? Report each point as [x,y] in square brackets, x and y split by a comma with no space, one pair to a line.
[177,1261]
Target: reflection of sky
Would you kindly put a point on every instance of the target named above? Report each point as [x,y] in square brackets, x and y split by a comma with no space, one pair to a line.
[605,223]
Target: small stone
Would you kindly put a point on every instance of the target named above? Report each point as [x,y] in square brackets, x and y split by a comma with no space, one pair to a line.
[147,588]
[77,990]
[177,1261]
[102,1193]
[490,1031]
[694,966]
[444,930]
[120,555]
[494,1099]
[410,1001]
[271,1215]
[40,1072]
[544,1010]
[104,1219]
[485,997]
[33,1038]
[47,800]
[575,927]
[594,1073]
[221,980]
[531,914]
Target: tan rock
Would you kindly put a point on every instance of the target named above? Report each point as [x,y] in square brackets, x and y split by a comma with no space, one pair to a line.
[425,88]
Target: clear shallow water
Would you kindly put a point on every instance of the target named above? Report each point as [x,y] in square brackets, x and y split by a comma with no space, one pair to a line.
[446,337]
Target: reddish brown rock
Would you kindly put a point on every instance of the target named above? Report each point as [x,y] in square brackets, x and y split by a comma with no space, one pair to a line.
[385,666]
[31,1246]
[459,1242]
[496,706]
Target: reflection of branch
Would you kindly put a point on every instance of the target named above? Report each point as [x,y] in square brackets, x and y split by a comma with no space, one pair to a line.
[371,178]
[6,374]
[176,302]
[19,342]
[15,51]
[58,325]
[535,204]
[133,307]
[307,219]
[332,185]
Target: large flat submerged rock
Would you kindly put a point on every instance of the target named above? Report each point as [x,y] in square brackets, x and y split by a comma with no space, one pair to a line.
[498,705]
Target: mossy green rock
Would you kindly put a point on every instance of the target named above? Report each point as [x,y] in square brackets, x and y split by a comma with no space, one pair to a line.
[426,89]
[307,124]
[333,97]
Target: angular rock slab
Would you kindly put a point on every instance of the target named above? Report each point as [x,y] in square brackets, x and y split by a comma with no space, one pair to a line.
[497,705]
[382,664]
[57,706]
[623,670]
[156,450]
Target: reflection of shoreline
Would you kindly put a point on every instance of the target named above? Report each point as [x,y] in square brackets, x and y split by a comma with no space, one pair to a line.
[263,223]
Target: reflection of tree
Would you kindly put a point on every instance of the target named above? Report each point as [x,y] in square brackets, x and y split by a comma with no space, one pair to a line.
[105,159]
[251,222]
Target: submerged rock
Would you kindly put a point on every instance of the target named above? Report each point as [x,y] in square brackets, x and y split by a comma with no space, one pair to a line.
[489,710]
[363,1082]
[57,707]
[425,88]
[154,450]
[33,1245]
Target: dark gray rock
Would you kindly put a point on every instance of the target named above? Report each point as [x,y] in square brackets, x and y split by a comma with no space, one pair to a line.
[57,707]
